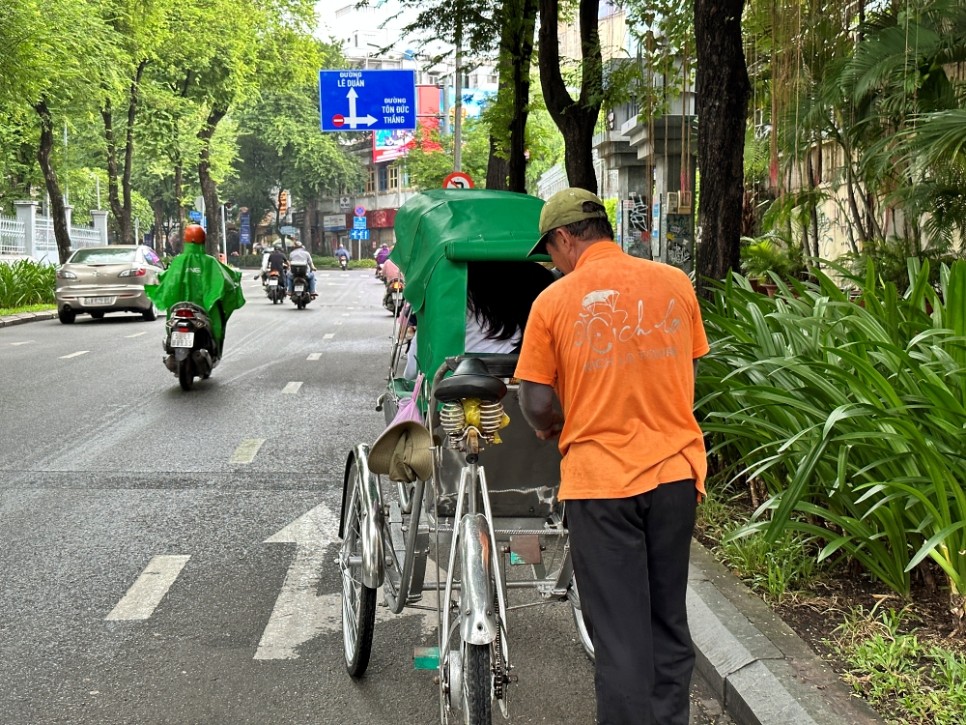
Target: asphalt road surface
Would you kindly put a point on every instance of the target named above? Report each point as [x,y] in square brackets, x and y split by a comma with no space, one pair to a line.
[168,556]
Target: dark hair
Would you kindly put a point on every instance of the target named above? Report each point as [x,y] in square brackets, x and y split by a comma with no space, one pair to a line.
[596,228]
[500,294]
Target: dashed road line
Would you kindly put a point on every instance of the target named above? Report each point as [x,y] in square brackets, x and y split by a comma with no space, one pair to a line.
[74,354]
[137,334]
[328,336]
[246,450]
[314,356]
[291,388]
[147,592]
[25,342]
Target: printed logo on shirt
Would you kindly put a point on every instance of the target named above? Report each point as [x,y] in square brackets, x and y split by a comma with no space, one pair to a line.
[605,327]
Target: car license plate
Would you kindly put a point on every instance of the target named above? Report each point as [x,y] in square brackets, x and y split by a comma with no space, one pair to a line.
[272,282]
[300,288]
[182,339]
[97,301]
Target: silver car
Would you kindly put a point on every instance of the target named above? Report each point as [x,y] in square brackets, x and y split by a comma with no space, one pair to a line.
[96,280]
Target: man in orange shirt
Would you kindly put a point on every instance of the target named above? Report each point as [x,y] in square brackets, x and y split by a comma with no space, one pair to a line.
[616,341]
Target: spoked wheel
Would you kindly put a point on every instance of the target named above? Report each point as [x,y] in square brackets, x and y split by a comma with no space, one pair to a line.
[186,374]
[477,684]
[358,600]
[585,633]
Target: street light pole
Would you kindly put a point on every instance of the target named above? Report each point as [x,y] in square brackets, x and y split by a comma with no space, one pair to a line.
[458,101]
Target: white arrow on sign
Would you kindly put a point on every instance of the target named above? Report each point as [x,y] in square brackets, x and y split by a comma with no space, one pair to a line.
[300,614]
[352,120]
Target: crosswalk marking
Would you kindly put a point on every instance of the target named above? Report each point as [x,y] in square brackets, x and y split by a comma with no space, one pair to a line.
[291,388]
[147,592]
[246,450]
[74,354]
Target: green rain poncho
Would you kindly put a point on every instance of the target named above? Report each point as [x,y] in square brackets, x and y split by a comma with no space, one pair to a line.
[194,276]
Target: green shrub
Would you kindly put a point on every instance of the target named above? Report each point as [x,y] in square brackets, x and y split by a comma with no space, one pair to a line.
[850,414]
[26,282]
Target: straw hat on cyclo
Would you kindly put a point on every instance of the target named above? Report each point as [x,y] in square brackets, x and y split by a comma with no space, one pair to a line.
[403,452]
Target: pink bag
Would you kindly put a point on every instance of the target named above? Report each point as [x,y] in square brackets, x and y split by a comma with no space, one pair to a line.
[409,409]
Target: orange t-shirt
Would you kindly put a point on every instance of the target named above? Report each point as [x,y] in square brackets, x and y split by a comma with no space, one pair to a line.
[616,338]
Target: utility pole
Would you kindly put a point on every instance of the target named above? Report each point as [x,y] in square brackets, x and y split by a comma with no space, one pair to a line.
[458,101]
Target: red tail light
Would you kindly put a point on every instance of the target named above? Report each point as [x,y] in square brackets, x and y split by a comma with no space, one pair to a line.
[184,312]
[136,272]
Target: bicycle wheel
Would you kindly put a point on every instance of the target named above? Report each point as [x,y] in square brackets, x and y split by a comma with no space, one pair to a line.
[585,633]
[477,684]
[358,600]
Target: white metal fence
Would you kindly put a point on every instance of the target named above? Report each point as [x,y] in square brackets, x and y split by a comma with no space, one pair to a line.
[13,238]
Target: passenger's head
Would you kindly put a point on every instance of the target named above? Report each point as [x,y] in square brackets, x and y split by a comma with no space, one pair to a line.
[500,294]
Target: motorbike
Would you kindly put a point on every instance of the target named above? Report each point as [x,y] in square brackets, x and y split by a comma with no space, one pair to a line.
[275,286]
[189,342]
[393,299]
[343,263]
[301,294]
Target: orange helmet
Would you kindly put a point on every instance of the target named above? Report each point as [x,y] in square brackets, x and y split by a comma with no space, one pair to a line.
[194,234]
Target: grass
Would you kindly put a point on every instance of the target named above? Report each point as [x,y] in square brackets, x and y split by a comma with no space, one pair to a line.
[26,308]
[908,679]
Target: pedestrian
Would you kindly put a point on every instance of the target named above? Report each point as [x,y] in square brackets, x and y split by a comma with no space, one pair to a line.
[614,343]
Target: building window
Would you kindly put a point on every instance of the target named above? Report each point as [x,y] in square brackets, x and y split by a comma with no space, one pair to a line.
[393,176]
[383,178]
[371,181]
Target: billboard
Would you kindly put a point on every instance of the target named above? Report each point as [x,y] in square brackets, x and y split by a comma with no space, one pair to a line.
[389,145]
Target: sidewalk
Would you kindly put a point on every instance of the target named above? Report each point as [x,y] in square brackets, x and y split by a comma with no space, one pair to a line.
[760,671]
[7,320]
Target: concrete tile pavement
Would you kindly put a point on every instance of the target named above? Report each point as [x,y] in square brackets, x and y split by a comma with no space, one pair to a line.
[760,671]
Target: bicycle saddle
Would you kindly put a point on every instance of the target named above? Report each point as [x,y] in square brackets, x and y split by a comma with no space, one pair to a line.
[471,379]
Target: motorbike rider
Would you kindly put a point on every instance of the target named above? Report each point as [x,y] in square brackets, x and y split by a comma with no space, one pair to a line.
[300,255]
[342,252]
[276,262]
[197,277]
[382,254]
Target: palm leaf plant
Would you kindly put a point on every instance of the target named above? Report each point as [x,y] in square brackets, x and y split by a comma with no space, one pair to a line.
[851,415]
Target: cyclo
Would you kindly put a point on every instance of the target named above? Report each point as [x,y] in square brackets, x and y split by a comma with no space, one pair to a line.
[486,515]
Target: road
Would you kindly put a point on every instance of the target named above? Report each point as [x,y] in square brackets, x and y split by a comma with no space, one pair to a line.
[168,556]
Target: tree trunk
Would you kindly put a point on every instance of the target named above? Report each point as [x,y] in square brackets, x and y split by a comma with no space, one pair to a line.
[507,168]
[722,90]
[121,221]
[575,119]
[178,183]
[57,211]
[132,109]
[209,190]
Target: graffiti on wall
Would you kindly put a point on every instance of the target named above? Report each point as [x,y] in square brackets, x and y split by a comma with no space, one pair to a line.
[680,242]
[638,211]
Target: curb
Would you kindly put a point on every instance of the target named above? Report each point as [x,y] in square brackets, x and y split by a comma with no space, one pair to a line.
[759,669]
[8,320]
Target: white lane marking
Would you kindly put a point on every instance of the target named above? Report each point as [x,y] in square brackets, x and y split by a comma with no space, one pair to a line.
[291,388]
[137,334]
[314,356]
[300,613]
[25,342]
[147,592]
[328,336]
[338,322]
[345,314]
[246,450]
[74,354]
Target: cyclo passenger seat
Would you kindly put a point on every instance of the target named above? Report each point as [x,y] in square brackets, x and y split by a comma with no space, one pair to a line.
[471,379]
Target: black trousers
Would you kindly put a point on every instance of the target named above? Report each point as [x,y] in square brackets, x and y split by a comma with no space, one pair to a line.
[631,561]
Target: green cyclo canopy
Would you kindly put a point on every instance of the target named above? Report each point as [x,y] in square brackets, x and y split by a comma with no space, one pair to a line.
[437,233]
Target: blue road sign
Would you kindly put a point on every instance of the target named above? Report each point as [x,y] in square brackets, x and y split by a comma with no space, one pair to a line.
[359,234]
[367,100]
[194,216]
[359,222]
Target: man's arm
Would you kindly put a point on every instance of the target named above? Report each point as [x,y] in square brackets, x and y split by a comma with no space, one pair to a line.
[536,402]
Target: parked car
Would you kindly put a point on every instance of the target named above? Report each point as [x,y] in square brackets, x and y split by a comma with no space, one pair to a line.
[97,280]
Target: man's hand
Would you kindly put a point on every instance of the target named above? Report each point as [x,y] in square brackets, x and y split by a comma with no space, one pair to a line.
[553,431]
[537,405]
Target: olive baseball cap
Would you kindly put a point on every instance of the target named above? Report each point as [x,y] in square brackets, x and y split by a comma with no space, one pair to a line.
[563,208]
